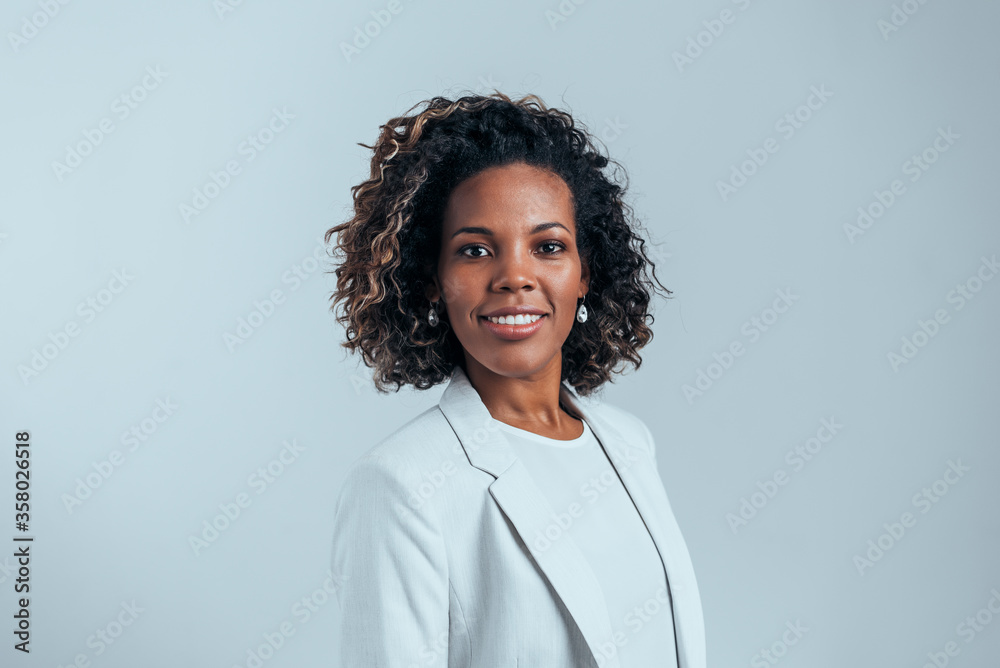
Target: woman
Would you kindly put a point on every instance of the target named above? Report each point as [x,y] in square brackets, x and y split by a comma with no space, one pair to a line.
[518,522]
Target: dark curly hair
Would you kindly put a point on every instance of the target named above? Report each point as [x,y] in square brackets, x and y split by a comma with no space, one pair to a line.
[391,244]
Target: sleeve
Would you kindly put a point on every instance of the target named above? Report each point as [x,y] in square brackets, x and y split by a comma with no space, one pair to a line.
[391,564]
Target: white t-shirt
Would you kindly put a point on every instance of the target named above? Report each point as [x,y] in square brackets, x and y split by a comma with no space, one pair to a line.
[614,540]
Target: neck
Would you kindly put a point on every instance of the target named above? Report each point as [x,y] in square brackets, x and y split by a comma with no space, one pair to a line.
[532,399]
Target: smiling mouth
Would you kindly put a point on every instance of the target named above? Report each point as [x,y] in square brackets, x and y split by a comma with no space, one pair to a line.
[516,331]
[514,320]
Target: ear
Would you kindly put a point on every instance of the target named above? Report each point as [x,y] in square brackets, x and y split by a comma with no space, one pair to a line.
[584,276]
[432,289]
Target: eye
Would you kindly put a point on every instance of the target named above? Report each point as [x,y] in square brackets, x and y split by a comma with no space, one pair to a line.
[557,244]
[461,251]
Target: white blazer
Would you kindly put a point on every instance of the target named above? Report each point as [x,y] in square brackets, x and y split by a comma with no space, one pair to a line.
[434,548]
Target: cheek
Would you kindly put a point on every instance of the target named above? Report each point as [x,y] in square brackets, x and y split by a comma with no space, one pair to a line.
[459,304]
[453,287]
[568,289]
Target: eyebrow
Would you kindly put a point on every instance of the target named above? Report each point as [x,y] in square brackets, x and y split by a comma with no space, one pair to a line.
[540,227]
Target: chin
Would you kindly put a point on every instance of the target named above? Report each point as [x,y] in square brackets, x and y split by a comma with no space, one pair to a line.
[514,366]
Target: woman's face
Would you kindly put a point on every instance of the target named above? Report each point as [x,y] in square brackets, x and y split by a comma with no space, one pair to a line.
[509,240]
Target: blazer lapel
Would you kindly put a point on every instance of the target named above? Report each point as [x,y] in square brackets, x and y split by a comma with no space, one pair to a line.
[528,510]
[563,562]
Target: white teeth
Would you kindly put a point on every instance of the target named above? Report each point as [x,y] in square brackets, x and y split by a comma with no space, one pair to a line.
[519,319]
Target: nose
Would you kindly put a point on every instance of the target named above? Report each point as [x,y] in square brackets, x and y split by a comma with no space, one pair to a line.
[514,270]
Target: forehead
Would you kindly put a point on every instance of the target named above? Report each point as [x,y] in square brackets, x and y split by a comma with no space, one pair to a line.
[526,191]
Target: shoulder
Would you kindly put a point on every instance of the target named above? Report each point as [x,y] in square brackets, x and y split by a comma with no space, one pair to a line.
[417,447]
[424,435]
[630,425]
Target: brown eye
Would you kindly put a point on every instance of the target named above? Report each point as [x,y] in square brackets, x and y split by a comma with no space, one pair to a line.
[461,251]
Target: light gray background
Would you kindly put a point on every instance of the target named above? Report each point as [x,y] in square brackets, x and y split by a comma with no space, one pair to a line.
[677,130]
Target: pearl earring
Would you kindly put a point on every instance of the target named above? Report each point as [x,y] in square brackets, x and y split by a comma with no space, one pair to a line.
[581,313]
[432,316]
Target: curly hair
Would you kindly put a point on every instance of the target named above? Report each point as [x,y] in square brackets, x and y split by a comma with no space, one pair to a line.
[391,244]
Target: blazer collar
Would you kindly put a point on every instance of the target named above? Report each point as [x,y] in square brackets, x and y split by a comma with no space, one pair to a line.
[530,513]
